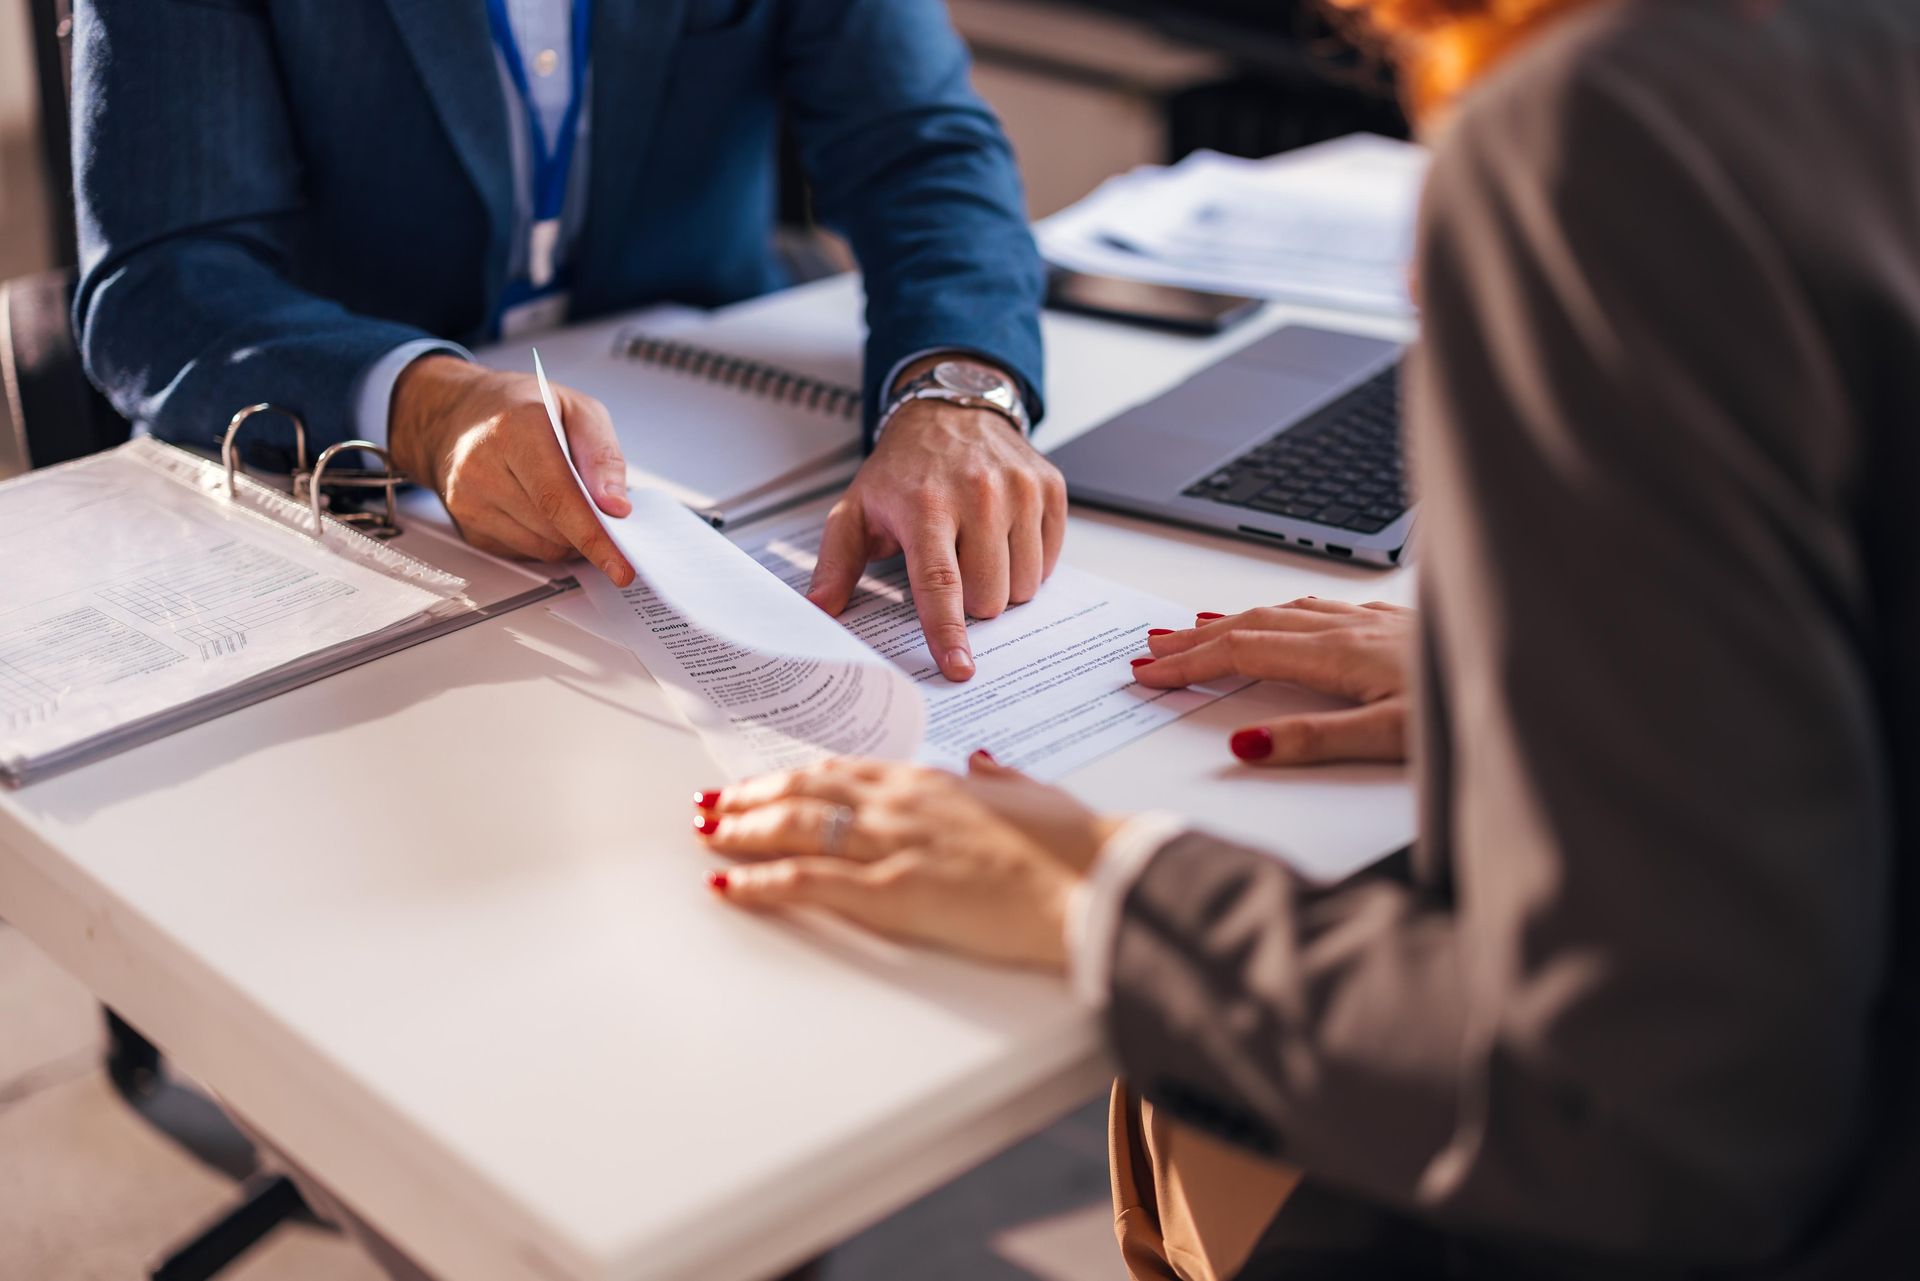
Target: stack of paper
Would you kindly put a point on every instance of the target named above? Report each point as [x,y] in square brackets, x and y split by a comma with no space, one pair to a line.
[1330,225]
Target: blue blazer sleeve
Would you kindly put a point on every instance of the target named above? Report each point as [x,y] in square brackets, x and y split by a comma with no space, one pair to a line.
[188,188]
[912,168]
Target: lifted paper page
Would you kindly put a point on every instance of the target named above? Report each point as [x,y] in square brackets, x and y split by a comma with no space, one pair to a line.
[1054,689]
[768,680]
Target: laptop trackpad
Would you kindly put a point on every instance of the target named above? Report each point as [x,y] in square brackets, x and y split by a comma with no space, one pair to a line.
[1155,448]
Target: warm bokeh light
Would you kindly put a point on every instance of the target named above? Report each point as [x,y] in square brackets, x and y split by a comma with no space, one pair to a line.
[1442,46]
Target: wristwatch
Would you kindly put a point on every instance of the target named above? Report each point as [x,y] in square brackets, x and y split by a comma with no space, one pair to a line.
[963,382]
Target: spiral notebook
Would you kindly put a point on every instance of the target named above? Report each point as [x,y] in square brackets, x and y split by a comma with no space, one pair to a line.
[736,417]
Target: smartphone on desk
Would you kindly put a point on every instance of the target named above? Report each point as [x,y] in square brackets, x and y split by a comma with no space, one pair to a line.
[1138,302]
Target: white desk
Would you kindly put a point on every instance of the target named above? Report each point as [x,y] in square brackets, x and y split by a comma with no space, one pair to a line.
[437,927]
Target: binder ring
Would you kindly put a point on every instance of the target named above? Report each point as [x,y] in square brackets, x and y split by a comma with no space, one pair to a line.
[353,478]
[230,457]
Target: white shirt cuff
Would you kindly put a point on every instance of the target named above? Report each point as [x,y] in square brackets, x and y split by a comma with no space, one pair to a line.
[373,395]
[1093,911]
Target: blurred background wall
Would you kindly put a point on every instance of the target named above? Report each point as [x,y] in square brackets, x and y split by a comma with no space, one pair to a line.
[25,224]
[24,241]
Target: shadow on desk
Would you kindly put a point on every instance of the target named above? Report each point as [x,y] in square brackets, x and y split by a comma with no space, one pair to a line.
[315,733]
[1248,564]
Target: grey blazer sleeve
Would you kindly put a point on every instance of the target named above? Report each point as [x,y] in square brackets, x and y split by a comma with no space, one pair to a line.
[1625,1003]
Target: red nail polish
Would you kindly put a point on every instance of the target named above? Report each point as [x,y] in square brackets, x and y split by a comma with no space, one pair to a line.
[1252,744]
[1159,631]
[717,882]
[1208,618]
[1141,662]
[706,800]
[705,823]
[985,755]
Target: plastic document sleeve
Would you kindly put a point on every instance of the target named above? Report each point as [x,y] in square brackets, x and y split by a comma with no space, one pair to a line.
[147,589]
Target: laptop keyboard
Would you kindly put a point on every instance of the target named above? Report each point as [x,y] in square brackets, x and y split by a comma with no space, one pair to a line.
[1340,467]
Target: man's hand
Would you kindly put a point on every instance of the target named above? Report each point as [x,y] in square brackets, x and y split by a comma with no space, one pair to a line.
[978,511]
[481,438]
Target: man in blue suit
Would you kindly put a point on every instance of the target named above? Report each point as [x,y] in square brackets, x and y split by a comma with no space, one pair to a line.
[316,203]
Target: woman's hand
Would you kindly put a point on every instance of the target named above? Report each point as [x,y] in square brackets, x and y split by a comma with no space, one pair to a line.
[1361,652]
[982,864]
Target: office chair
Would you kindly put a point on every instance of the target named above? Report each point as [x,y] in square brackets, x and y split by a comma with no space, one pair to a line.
[57,415]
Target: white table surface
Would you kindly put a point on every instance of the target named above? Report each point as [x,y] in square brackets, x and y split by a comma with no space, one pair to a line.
[437,926]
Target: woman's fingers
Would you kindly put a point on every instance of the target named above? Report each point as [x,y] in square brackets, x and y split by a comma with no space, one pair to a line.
[1162,642]
[866,894]
[1300,615]
[1376,732]
[1204,661]
[985,865]
[801,825]
[843,781]
[1320,605]
[981,764]
[1304,658]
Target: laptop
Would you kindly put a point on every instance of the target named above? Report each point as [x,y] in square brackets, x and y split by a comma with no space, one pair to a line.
[1292,441]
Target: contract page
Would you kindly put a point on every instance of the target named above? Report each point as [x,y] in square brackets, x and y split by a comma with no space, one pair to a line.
[726,629]
[1053,687]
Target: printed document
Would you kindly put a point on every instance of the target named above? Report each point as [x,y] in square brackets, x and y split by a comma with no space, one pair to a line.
[771,682]
[1053,690]
[125,592]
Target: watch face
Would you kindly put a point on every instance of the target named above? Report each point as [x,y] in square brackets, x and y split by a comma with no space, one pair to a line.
[973,380]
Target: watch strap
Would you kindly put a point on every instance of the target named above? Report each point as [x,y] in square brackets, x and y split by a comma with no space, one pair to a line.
[924,386]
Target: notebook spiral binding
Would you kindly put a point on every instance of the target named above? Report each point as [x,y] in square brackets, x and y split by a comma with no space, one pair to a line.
[755,377]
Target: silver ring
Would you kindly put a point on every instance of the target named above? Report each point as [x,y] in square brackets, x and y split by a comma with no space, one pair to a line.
[833,828]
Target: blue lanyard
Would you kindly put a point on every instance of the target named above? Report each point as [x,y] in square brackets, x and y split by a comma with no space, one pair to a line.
[550,165]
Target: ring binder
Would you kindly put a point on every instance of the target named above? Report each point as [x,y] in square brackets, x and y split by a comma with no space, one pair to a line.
[358,478]
[150,588]
[230,456]
[755,377]
[307,485]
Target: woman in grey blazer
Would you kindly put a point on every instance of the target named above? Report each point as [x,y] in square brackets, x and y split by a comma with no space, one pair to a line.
[1640,1000]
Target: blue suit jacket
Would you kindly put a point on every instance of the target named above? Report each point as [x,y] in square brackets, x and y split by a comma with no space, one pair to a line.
[273,194]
